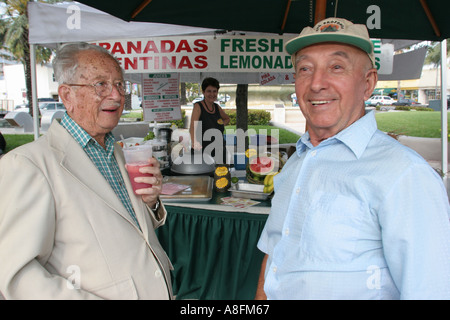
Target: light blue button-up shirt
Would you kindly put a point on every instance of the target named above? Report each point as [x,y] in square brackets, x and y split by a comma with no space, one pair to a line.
[359,216]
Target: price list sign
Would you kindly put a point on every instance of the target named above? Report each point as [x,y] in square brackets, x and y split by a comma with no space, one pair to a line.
[161,99]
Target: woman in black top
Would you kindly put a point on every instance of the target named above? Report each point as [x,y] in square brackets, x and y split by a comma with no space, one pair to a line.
[208,121]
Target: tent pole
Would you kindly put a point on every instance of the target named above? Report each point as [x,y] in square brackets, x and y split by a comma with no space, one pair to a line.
[34,91]
[444,125]
[140,8]
[430,17]
[288,7]
[321,10]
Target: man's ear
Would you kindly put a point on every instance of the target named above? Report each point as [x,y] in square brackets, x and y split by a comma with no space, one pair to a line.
[371,82]
[66,95]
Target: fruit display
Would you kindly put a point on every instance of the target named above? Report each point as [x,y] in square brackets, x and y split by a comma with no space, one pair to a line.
[222,178]
[262,165]
[268,182]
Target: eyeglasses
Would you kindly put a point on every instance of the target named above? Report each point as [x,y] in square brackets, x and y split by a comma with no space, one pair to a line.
[104,88]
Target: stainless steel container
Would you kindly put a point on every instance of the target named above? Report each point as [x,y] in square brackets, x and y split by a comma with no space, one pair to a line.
[193,163]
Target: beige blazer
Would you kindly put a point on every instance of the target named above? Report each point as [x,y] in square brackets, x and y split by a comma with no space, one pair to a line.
[64,234]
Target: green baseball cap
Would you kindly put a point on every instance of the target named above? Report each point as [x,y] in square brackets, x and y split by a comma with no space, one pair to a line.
[333,30]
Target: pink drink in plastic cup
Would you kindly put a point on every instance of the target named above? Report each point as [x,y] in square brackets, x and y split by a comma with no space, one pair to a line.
[137,157]
[133,172]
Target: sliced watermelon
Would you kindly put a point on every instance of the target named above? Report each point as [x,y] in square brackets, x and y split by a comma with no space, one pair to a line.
[259,167]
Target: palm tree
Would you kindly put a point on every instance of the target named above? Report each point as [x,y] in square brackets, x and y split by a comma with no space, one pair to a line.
[434,53]
[434,57]
[14,38]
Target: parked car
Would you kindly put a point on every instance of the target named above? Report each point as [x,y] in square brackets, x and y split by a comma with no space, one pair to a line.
[196,100]
[41,100]
[405,102]
[22,108]
[51,106]
[380,100]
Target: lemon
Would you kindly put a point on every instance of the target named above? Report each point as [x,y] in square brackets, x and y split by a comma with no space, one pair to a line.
[221,183]
[250,153]
[221,171]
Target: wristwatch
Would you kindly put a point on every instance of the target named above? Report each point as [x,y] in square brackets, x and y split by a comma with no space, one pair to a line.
[155,209]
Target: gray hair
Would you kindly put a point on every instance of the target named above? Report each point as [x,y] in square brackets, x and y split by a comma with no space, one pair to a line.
[65,63]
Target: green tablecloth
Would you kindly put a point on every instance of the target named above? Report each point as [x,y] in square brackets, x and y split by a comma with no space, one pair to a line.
[213,252]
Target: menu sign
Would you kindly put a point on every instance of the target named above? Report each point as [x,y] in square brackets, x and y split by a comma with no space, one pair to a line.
[201,54]
[262,54]
[161,99]
[274,79]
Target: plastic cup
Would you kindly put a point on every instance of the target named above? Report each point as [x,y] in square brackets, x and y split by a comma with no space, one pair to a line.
[137,157]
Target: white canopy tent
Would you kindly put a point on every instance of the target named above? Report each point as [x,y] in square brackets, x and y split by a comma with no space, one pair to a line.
[53,24]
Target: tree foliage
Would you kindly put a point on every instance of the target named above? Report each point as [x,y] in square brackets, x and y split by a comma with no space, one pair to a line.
[434,53]
[14,29]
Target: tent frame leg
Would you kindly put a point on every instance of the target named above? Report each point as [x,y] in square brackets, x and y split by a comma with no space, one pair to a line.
[444,114]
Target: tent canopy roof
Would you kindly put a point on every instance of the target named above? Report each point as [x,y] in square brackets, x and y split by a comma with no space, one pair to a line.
[74,22]
[51,24]
[386,19]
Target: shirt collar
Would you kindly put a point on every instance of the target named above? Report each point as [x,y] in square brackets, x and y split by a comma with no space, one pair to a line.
[356,137]
[82,137]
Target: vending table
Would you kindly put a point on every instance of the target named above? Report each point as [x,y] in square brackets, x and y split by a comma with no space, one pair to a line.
[213,248]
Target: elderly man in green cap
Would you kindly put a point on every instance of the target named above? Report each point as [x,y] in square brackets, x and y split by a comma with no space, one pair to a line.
[355,215]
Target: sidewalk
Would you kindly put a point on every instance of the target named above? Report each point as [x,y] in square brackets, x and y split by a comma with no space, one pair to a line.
[429,148]
[294,127]
[13,131]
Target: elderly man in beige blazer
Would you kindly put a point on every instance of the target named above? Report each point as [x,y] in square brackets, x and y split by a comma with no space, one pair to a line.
[64,231]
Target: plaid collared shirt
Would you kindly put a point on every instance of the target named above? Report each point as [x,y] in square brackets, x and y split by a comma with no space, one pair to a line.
[103,159]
